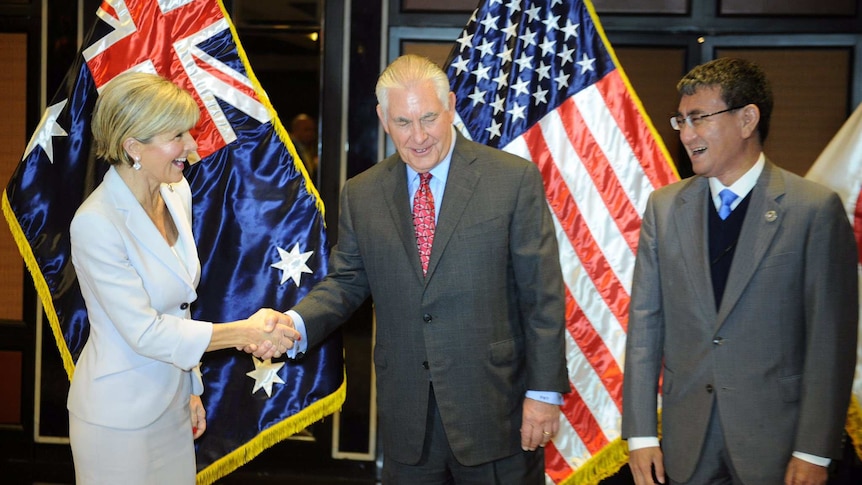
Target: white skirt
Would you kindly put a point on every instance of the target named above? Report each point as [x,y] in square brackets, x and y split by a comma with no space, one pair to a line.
[161,453]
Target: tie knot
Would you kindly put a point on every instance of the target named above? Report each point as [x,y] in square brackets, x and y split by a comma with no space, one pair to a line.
[424,178]
[727,198]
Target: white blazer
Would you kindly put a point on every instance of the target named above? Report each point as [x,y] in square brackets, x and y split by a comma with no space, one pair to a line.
[137,292]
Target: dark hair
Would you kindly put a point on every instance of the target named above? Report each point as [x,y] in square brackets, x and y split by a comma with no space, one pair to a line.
[742,82]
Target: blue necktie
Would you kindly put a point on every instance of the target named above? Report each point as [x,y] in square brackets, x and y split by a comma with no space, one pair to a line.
[727,198]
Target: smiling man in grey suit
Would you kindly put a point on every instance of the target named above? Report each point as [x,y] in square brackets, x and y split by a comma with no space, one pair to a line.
[746,302]
[470,346]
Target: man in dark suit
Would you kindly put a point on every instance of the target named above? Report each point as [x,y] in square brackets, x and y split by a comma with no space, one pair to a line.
[746,304]
[470,346]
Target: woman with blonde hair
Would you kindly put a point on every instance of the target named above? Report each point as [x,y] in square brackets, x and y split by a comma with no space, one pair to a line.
[134,405]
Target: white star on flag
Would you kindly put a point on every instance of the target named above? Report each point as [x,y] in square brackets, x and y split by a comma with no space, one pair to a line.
[46,131]
[292,264]
[265,374]
[586,63]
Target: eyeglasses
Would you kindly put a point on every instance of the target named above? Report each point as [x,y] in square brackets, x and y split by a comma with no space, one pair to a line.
[694,121]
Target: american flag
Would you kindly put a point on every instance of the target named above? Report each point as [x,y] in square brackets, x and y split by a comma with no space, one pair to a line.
[538,78]
[258,220]
[839,167]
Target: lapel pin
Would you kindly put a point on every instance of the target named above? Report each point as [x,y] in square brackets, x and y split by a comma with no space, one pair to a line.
[770,216]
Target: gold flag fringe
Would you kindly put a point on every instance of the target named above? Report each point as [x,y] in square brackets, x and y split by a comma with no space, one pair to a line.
[41,285]
[659,141]
[268,437]
[604,464]
[854,425]
[274,119]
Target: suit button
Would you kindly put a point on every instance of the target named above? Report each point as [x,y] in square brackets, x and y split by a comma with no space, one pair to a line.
[425,365]
[184,305]
[709,388]
[718,341]
[427,318]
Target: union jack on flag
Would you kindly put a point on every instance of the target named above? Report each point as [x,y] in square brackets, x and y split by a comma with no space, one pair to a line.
[258,221]
[538,78]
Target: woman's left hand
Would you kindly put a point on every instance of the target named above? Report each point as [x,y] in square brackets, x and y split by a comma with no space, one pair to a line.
[199,416]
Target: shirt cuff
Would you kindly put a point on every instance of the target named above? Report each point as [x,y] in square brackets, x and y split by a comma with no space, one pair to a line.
[638,442]
[549,397]
[300,346]
[813,459]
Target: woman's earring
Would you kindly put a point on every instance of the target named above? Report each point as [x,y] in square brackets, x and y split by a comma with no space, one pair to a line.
[137,164]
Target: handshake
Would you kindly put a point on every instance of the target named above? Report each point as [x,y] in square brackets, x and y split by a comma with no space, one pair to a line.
[273,334]
[267,334]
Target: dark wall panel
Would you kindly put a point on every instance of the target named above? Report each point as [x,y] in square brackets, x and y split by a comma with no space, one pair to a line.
[810,103]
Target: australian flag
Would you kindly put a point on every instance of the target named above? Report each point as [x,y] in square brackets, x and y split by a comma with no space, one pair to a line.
[258,220]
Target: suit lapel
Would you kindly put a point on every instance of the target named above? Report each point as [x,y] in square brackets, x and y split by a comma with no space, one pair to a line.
[142,228]
[460,185]
[689,219]
[761,223]
[394,189]
[178,212]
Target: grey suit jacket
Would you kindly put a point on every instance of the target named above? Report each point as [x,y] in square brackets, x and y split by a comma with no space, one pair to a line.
[488,319]
[777,357]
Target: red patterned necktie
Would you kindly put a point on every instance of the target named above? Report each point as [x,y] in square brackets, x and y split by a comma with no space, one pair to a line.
[423,219]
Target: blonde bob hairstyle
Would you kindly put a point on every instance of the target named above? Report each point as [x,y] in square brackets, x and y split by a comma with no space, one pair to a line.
[139,105]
